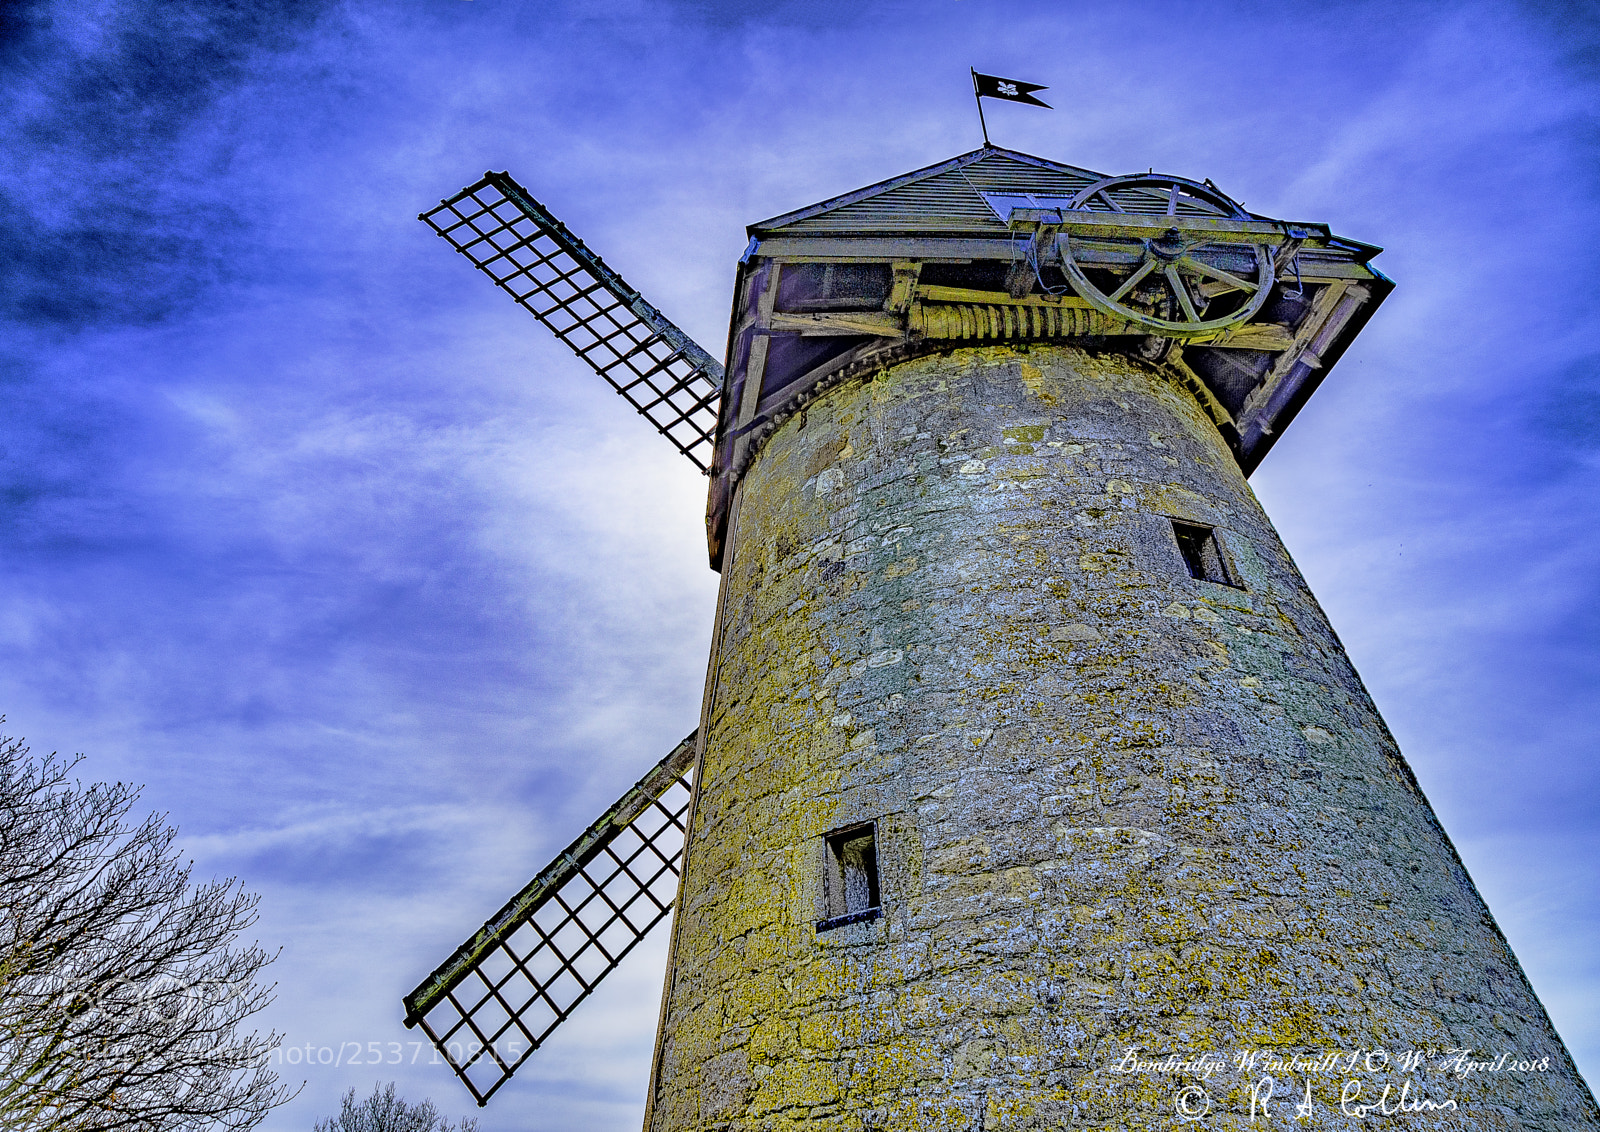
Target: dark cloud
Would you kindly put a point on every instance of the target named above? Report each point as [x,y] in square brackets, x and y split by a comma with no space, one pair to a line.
[105,261]
[107,217]
[1570,412]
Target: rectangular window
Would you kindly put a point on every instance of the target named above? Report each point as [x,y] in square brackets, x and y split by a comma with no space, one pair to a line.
[833,286]
[850,883]
[1201,555]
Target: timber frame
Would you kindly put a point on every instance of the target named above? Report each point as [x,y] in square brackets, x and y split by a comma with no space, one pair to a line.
[503,991]
[653,365]
[976,251]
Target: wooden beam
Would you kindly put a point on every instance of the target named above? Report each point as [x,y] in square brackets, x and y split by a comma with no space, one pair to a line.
[1321,311]
[755,368]
[1251,336]
[1326,271]
[835,323]
[1264,336]
[796,249]
[756,365]
[1215,409]
[998,298]
[904,289]
[884,249]
[1132,224]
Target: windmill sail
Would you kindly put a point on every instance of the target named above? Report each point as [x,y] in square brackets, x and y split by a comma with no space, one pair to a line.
[497,999]
[661,371]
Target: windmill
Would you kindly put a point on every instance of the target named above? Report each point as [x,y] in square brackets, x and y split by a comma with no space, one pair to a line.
[1019,720]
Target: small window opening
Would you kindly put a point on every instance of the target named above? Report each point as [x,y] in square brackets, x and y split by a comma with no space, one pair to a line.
[1201,554]
[851,883]
[833,286]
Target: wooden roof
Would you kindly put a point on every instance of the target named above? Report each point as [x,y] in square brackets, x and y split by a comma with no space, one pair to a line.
[947,197]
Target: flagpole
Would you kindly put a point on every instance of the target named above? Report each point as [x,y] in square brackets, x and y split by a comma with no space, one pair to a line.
[978,98]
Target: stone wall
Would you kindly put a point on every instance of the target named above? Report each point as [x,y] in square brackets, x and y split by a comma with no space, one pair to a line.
[1118,808]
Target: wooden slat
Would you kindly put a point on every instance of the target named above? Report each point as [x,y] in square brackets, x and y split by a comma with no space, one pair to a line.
[649,361]
[502,992]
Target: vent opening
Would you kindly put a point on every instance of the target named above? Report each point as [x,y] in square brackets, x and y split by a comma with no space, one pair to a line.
[1201,554]
[851,882]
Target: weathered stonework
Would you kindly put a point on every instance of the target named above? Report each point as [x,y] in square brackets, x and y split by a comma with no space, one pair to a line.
[1118,808]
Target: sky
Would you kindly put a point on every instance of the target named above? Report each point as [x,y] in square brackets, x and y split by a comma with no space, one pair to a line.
[383,597]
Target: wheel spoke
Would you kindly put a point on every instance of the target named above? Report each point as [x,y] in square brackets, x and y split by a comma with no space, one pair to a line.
[1113,205]
[1172,200]
[1132,281]
[1181,289]
[1201,268]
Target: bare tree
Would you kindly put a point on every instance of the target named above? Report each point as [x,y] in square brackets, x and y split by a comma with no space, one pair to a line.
[122,988]
[385,1112]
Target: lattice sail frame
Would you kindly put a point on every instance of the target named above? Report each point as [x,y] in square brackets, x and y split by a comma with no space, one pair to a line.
[660,370]
[498,997]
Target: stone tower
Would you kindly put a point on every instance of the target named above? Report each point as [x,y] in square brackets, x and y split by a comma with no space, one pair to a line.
[1034,789]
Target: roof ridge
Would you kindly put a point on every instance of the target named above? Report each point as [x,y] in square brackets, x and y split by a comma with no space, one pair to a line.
[958,163]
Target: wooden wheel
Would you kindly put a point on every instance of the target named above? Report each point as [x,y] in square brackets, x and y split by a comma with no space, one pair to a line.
[1185,281]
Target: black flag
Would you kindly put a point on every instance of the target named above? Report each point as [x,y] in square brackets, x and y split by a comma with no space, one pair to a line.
[1008,90]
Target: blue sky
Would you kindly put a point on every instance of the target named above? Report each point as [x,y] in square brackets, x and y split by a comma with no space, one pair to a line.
[309,529]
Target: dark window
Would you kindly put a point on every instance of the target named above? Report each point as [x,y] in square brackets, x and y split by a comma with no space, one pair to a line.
[984,275]
[791,356]
[850,884]
[833,286]
[1232,374]
[1201,554]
